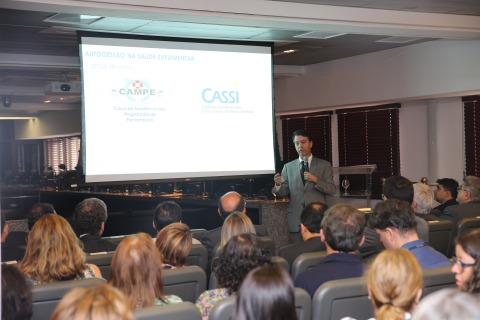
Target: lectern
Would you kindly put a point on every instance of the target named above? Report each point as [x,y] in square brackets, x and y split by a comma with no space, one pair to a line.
[366,169]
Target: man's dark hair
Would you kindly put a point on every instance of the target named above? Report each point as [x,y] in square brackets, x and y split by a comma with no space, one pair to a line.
[449,185]
[343,227]
[393,213]
[240,207]
[312,216]
[38,210]
[303,133]
[166,213]
[398,187]
[89,215]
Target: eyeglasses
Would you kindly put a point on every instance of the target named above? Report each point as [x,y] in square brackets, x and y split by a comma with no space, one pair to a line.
[461,265]
[461,189]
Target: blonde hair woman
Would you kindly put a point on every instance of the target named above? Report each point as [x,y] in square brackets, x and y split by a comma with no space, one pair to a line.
[236,223]
[136,271]
[54,254]
[174,243]
[394,284]
[100,302]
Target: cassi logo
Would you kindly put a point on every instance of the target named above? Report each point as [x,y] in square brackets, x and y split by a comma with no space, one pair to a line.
[210,95]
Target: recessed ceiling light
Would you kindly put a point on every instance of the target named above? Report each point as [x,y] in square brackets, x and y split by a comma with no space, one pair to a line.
[68,18]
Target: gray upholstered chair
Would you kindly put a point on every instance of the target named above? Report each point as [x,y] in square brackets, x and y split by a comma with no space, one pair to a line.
[467,224]
[342,298]
[198,256]
[436,279]
[102,260]
[306,261]
[223,310]
[198,233]
[179,311]
[187,282]
[441,236]
[45,297]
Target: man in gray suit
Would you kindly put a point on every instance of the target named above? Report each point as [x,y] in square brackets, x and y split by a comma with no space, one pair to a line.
[307,179]
[469,201]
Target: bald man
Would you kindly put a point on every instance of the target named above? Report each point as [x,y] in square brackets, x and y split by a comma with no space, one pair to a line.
[228,203]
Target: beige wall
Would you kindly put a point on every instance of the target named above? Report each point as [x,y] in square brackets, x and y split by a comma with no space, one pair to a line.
[50,124]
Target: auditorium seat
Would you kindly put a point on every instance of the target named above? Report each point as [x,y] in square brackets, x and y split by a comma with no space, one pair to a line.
[187,282]
[115,239]
[179,311]
[198,233]
[102,260]
[441,236]
[306,261]
[336,299]
[268,244]
[224,309]
[436,279]
[45,297]
[198,256]
[468,224]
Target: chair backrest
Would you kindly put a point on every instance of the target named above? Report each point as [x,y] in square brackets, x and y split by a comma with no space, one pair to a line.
[102,260]
[198,256]
[198,233]
[468,224]
[179,311]
[307,261]
[187,282]
[342,298]
[436,279]
[441,236]
[115,239]
[279,261]
[269,245]
[45,297]
[224,308]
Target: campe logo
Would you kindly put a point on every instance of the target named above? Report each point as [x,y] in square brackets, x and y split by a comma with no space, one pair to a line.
[137,91]
[210,95]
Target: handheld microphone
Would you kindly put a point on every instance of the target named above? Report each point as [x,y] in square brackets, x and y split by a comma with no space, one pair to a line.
[305,162]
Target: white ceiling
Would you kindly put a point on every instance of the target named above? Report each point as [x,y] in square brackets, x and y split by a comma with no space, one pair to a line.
[34,52]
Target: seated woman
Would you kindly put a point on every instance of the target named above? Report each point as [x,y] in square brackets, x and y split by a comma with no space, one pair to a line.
[174,243]
[235,223]
[54,254]
[136,271]
[100,302]
[394,284]
[16,295]
[267,293]
[467,261]
[241,254]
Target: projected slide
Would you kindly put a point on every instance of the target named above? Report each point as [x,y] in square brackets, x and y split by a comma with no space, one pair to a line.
[173,110]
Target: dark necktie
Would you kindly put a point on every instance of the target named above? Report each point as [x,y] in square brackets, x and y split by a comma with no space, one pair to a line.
[302,171]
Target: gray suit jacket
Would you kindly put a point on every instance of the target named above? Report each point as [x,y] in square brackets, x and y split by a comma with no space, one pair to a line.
[301,195]
[461,211]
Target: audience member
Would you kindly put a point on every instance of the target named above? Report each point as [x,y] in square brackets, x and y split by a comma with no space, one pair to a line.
[445,194]
[136,271]
[235,223]
[400,188]
[8,252]
[311,220]
[448,304]
[102,302]
[468,198]
[16,295]
[19,238]
[174,242]
[467,261]
[343,233]
[394,284]
[395,222]
[89,219]
[228,203]
[54,254]
[241,254]
[166,213]
[423,198]
[267,293]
